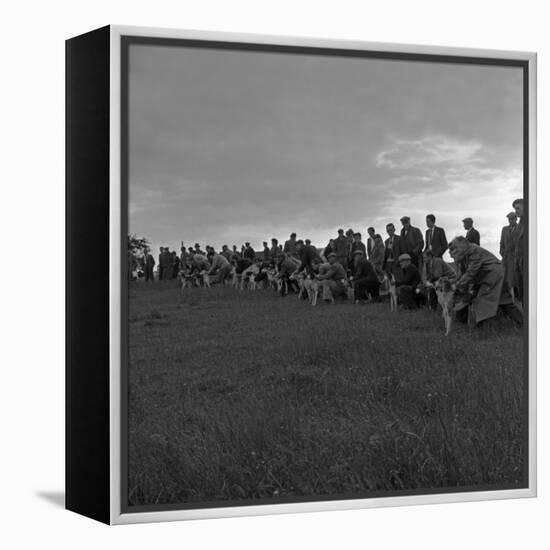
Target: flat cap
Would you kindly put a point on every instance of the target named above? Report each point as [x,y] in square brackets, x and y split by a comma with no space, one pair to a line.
[358,251]
[405,219]
[404,257]
[511,215]
[332,254]
[468,220]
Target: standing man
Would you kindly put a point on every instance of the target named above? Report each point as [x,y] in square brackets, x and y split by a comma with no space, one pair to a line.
[274,252]
[166,263]
[411,241]
[357,244]
[436,240]
[370,241]
[519,246]
[266,251]
[290,245]
[161,262]
[507,252]
[148,266]
[249,252]
[472,234]
[392,249]
[340,248]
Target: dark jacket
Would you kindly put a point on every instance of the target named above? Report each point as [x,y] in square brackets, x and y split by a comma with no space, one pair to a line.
[437,240]
[472,236]
[249,253]
[364,272]
[308,253]
[411,241]
[340,247]
[290,247]
[392,251]
[409,276]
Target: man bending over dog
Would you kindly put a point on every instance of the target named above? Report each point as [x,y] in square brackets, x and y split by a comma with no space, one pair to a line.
[332,280]
[220,267]
[480,284]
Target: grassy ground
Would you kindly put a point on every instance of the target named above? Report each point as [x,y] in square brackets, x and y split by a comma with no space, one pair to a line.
[248,395]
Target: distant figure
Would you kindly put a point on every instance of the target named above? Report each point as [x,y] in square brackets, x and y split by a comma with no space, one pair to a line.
[274,252]
[377,255]
[266,251]
[332,280]
[340,246]
[365,279]
[308,255]
[370,241]
[166,263]
[392,249]
[480,283]
[357,244]
[175,265]
[290,245]
[148,266]
[519,246]
[411,241]
[249,252]
[436,240]
[472,234]
[198,249]
[407,278]
[161,264]
[235,253]
[226,253]
[329,248]
[507,252]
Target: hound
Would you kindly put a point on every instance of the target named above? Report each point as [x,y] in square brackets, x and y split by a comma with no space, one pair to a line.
[445,296]
[204,277]
[389,284]
[247,277]
[312,287]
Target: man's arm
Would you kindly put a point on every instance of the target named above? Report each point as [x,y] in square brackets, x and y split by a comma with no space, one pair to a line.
[444,243]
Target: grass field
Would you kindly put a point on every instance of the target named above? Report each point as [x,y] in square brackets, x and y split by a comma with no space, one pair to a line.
[250,396]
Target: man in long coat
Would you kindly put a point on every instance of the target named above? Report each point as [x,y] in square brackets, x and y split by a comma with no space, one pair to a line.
[480,278]
[507,250]
[341,248]
[519,246]
[412,241]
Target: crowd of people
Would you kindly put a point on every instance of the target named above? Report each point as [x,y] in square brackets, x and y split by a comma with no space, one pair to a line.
[407,258]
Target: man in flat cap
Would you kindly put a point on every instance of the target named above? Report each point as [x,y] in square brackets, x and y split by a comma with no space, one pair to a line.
[365,279]
[472,234]
[519,246]
[412,242]
[392,249]
[479,283]
[507,251]
[407,278]
[332,280]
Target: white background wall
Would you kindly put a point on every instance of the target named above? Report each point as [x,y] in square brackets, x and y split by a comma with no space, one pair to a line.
[32,230]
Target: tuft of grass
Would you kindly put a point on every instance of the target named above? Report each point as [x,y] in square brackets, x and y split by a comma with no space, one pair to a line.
[249,396]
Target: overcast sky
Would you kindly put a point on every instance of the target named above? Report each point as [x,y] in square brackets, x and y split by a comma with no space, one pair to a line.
[234,146]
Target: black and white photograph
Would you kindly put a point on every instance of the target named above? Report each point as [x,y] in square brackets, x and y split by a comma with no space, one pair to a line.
[326,281]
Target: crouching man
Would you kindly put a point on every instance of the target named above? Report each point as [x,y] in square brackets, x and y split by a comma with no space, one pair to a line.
[480,284]
[407,278]
[332,280]
[365,279]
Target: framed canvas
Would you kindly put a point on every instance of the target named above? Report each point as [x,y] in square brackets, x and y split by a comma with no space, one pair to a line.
[313,284]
